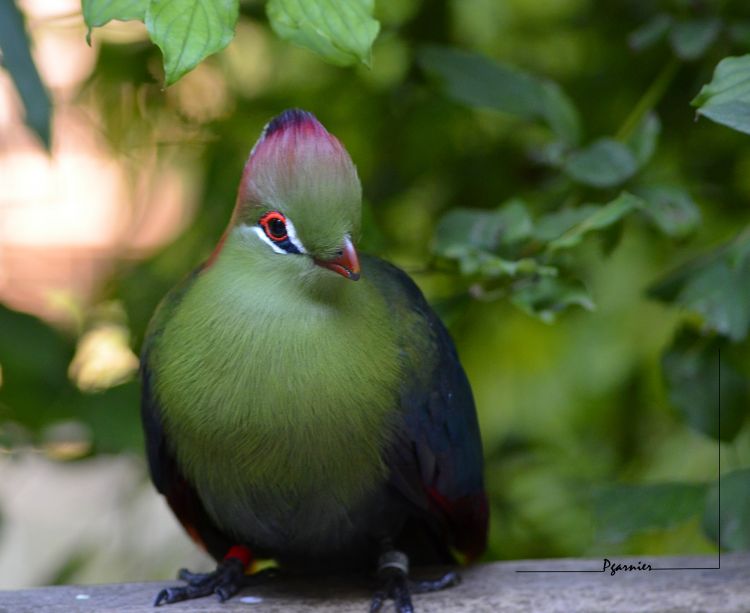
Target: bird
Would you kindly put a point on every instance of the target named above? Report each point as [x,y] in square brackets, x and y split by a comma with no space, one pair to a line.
[302,402]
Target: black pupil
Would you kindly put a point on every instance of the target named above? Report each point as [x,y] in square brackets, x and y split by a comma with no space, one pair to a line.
[276,227]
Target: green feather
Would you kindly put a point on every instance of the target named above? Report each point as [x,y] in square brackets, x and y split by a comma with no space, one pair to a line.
[305,173]
[277,387]
[278,381]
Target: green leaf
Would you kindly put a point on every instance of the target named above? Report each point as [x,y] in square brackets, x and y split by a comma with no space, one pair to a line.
[515,222]
[341,31]
[691,39]
[642,143]
[560,113]
[604,163]
[493,266]
[16,57]
[671,209]
[96,13]
[735,114]
[600,217]
[650,32]
[620,511]
[551,154]
[471,235]
[726,99]
[553,225]
[483,230]
[712,396]
[730,528]
[474,262]
[479,82]
[461,228]
[716,286]
[722,295]
[545,297]
[188,31]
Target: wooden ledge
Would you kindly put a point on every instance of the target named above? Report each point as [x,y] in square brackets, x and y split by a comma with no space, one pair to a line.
[496,587]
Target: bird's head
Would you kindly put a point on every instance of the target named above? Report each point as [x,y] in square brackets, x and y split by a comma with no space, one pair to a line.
[299,202]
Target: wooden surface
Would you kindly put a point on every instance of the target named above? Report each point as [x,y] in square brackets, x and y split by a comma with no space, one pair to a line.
[495,587]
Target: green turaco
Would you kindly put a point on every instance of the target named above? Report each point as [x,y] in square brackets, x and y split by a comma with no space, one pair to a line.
[304,403]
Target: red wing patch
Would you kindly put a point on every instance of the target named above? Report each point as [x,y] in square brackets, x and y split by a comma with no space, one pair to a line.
[467,517]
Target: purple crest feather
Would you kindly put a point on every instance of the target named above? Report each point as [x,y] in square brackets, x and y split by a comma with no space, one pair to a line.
[291,118]
[294,148]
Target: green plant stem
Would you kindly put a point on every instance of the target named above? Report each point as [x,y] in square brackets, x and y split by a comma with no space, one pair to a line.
[649,100]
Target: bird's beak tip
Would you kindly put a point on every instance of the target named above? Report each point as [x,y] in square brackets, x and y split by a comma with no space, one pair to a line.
[346,264]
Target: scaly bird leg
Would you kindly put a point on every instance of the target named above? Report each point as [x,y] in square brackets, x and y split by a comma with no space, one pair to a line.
[228,579]
[393,575]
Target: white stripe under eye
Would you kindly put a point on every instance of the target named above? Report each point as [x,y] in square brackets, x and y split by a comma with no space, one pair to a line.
[290,230]
[291,233]
[265,239]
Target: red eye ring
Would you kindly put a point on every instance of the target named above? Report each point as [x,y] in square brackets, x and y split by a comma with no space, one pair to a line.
[274,225]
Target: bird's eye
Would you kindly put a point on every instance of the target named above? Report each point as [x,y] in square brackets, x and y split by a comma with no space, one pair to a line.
[274,225]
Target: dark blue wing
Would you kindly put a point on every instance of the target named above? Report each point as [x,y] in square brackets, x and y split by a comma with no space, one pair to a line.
[436,461]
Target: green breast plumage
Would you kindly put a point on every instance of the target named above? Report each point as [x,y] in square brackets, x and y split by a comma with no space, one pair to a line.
[272,392]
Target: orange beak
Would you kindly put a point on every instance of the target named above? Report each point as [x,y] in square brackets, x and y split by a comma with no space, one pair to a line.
[346,263]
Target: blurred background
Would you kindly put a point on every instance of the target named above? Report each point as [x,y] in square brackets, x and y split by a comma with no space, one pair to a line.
[589,252]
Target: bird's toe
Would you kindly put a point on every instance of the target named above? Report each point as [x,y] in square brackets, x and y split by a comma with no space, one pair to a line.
[449,579]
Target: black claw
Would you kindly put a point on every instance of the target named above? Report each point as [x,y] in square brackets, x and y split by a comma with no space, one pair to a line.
[402,597]
[171,595]
[226,590]
[228,579]
[223,594]
[447,580]
[160,597]
[377,601]
[395,585]
[194,578]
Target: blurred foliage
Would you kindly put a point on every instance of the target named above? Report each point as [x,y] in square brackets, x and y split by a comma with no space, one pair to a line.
[730,524]
[527,163]
[726,99]
[188,31]
[15,57]
[621,510]
[341,31]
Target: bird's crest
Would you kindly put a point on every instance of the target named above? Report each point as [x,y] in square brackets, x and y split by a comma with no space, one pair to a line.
[295,162]
[289,129]
[292,118]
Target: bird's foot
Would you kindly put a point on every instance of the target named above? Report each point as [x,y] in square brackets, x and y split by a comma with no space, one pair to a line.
[228,579]
[393,575]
